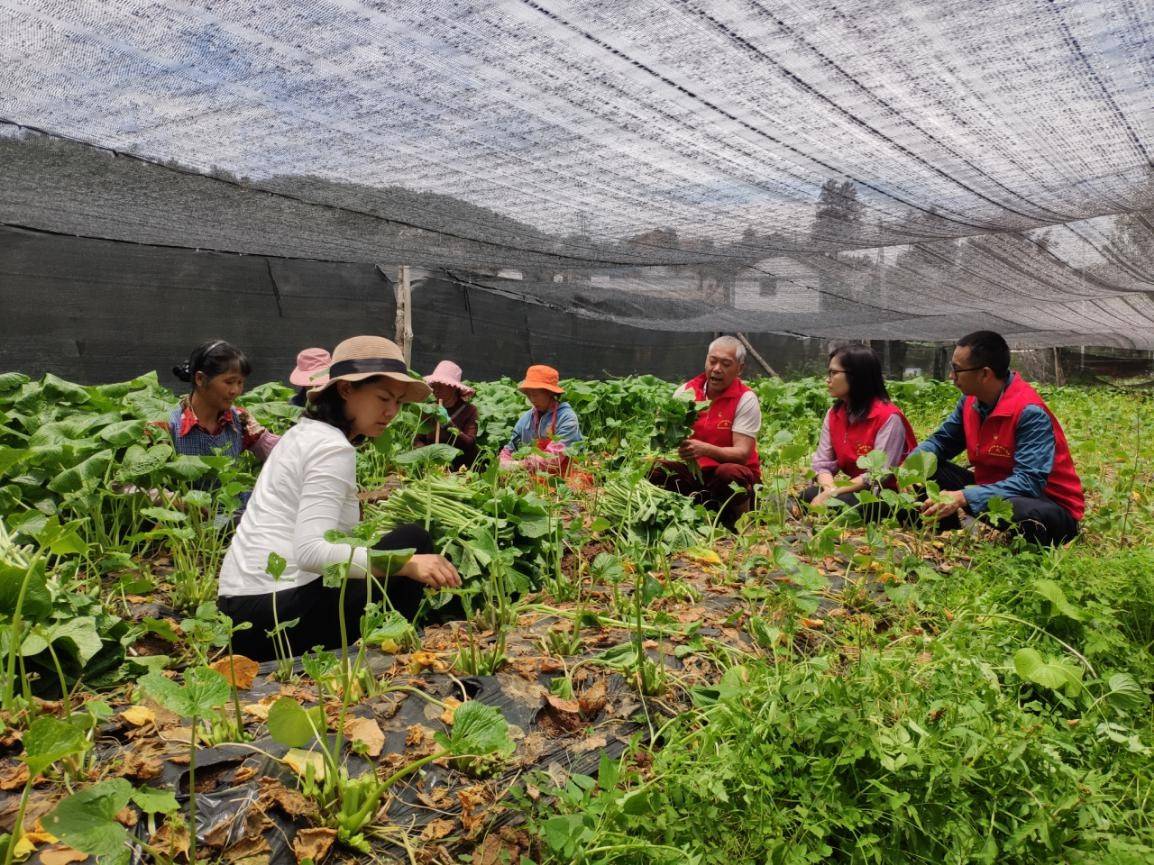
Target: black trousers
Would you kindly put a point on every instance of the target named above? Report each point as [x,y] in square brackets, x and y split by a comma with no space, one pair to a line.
[870,512]
[1038,520]
[318,607]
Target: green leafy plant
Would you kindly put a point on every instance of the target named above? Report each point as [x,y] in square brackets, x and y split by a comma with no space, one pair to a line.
[204,691]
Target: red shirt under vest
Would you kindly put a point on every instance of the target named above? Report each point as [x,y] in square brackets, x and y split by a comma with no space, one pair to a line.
[990,446]
[715,425]
[853,440]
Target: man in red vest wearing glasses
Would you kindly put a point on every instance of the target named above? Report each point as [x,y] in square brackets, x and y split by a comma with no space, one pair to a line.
[1016,448]
[724,441]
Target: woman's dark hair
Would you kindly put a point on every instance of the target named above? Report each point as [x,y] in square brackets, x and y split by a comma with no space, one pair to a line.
[863,373]
[988,349]
[329,407]
[213,358]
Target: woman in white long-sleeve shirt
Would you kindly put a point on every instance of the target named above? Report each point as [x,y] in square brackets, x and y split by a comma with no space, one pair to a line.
[307,488]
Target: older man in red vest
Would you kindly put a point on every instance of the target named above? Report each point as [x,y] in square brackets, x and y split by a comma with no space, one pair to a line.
[724,441]
[1016,447]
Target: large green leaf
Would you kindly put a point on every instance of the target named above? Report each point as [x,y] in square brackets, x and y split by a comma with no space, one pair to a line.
[437,453]
[478,730]
[61,540]
[1126,694]
[86,475]
[82,634]
[86,821]
[203,691]
[1057,674]
[187,468]
[123,432]
[10,381]
[48,740]
[57,390]
[918,467]
[10,457]
[139,462]
[37,597]
[292,725]
[1053,593]
[153,801]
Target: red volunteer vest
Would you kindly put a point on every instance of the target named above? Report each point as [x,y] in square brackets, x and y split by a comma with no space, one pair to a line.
[715,425]
[990,446]
[853,440]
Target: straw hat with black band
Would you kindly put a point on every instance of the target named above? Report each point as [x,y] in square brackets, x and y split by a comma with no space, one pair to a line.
[362,357]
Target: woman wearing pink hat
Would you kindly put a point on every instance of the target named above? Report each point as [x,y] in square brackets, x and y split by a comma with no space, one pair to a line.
[461,432]
[312,370]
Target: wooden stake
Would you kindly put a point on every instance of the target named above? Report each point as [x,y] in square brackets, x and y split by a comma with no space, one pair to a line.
[753,351]
[402,290]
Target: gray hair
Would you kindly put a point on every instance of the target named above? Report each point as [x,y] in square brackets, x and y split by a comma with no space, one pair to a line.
[730,342]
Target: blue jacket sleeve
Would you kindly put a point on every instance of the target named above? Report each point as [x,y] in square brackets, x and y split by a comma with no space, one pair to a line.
[950,438]
[568,428]
[1033,461]
[518,438]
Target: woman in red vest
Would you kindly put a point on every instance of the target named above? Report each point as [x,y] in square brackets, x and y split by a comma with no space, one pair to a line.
[862,419]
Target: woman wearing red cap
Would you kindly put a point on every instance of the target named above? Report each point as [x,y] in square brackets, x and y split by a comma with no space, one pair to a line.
[550,426]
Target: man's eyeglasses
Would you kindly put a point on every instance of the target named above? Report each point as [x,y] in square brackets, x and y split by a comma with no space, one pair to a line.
[956,370]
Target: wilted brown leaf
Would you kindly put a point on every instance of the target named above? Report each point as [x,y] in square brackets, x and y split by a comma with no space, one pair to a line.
[559,717]
[313,844]
[506,845]
[368,732]
[592,699]
[473,802]
[61,855]
[292,802]
[13,777]
[302,762]
[451,704]
[592,743]
[427,661]
[438,829]
[142,765]
[172,839]
[563,705]
[139,716]
[238,670]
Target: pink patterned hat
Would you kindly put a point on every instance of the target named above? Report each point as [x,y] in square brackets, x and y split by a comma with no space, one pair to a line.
[449,373]
[312,368]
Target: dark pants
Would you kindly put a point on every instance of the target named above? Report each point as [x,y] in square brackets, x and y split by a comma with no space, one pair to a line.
[1038,520]
[713,490]
[869,512]
[318,607]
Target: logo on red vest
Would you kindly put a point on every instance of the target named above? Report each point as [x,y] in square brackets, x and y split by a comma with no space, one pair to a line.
[997,450]
[724,424]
